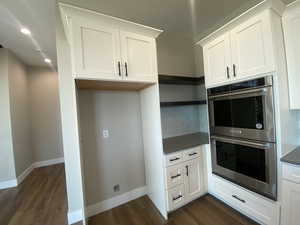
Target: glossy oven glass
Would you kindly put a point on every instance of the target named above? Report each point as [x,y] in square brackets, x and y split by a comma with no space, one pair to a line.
[240,113]
[243,114]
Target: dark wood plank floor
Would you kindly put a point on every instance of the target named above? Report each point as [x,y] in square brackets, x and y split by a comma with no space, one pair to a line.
[204,211]
[41,200]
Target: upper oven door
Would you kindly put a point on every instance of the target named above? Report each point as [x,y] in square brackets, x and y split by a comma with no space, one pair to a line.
[245,114]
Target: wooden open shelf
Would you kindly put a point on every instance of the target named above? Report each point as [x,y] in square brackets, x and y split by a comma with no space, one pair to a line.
[182,103]
[111,85]
[180,80]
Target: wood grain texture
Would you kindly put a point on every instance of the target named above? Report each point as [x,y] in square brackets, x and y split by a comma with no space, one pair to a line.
[111,85]
[40,200]
[204,211]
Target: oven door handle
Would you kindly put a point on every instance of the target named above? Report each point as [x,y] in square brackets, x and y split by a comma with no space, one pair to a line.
[258,91]
[242,142]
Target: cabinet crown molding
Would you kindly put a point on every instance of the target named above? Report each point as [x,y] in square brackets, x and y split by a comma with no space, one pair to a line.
[69,12]
[276,5]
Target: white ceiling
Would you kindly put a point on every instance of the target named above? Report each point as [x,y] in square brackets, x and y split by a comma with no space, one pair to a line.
[185,17]
[39,17]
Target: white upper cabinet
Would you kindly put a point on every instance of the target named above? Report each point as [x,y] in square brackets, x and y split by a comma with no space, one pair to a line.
[217,59]
[108,48]
[291,27]
[251,47]
[241,49]
[138,57]
[96,51]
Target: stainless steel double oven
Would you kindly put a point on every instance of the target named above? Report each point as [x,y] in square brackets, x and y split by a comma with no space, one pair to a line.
[243,136]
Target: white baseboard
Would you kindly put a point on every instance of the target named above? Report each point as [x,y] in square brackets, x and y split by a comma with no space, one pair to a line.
[49,162]
[8,184]
[75,216]
[25,174]
[20,179]
[115,201]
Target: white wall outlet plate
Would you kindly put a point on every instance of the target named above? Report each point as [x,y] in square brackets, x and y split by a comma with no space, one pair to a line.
[105,133]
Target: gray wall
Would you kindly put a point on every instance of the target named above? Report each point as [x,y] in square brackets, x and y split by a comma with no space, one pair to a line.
[20,120]
[199,63]
[175,55]
[44,109]
[31,129]
[183,119]
[118,159]
[7,163]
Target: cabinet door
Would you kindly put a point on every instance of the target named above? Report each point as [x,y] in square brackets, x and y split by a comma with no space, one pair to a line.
[96,51]
[138,57]
[291,203]
[291,24]
[193,179]
[217,60]
[251,44]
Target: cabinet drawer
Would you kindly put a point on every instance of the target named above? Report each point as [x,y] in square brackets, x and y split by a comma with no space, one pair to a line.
[256,207]
[176,197]
[174,158]
[192,153]
[175,175]
[291,173]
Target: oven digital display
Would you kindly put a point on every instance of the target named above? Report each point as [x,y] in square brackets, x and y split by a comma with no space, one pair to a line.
[242,159]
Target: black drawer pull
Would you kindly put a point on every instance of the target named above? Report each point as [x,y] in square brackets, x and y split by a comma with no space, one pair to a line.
[119,67]
[195,153]
[126,69]
[171,160]
[234,70]
[227,71]
[241,200]
[178,197]
[178,175]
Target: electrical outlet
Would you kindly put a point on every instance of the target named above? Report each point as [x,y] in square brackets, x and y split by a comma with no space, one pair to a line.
[105,133]
[117,188]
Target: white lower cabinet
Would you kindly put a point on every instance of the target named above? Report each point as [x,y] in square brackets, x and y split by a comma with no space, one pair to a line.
[184,177]
[256,207]
[291,195]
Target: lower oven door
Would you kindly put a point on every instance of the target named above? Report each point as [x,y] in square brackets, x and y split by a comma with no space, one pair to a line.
[246,163]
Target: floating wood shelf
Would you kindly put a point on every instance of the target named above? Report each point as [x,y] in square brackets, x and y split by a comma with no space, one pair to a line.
[180,80]
[111,85]
[182,103]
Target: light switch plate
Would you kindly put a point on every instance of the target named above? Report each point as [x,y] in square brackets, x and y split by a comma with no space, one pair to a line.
[105,133]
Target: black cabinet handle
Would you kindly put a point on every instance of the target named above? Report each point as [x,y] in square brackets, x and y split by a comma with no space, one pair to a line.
[241,200]
[178,175]
[187,170]
[191,154]
[227,70]
[178,197]
[234,70]
[126,70]
[171,160]
[119,67]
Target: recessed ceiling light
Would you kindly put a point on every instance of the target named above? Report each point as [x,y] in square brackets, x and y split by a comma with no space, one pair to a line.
[47,60]
[25,31]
